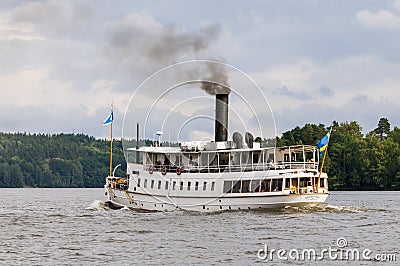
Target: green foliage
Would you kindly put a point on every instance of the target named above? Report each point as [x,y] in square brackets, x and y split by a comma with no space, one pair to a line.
[383,128]
[62,160]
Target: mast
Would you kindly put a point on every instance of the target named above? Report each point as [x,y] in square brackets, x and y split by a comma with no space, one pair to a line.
[323,160]
[111,146]
[109,121]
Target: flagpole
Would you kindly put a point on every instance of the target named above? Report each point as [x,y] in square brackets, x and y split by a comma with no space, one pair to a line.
[323,160]
[111,141]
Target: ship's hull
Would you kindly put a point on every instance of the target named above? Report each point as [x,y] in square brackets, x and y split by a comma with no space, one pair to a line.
[266,200]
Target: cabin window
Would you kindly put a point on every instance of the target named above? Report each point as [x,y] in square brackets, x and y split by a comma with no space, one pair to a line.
[245,158]
[152,183]
[287,183]
[245,186]
[236,187]
[196,186]
[138,182]
[227,186]
[276,185]
[132,157]
[159,184]
[256,157]
[322,182]
[204,185]
[166,185]
[303,182]
[145,183]
[189,184]
[255,186]
[181,186]
[174,185]
[265,185]
[212,186]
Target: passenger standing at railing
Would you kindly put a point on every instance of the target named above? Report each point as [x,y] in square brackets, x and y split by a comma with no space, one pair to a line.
[271,163]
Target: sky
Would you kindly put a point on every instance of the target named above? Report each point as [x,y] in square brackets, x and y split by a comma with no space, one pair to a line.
[64,62]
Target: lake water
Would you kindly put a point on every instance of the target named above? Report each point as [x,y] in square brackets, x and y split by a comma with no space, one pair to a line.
[73,227]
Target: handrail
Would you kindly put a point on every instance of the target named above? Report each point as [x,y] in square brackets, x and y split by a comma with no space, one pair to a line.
[233,167]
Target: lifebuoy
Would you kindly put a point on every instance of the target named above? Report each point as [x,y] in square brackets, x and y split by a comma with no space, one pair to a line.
[164,170]
[151,169]
[178,171]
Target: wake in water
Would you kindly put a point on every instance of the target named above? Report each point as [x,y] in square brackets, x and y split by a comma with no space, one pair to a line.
[98,205]
[323,208]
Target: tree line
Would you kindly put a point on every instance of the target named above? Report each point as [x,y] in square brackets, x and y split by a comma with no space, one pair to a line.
[62,160]
[354,161]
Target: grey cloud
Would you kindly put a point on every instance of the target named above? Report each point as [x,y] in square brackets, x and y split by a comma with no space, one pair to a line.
[50,119]
[284,91]
[326,91]
[362,109]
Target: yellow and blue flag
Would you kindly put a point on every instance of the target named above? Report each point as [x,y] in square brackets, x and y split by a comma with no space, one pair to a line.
[323,143]
[110,118]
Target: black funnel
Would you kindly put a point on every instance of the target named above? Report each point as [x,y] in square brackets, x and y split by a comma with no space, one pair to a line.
[221,117]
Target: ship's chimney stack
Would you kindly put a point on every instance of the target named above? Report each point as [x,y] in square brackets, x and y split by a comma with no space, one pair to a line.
[221,117]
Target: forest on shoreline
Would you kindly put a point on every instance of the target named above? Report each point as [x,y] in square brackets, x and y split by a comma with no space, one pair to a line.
[354,161]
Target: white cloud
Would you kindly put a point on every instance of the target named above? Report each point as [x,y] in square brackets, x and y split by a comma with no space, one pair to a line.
[298,83]
[396,4]
[384,19]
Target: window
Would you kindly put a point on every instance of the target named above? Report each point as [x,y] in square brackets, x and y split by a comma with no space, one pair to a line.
[276,184]
[188,187]
[265,185]
[287,183]
[236,187]
[245,186]
[322,182]
[196,187]
[166,185]
[152,183]
[212,186]
[173,185]
[181,187]
[138,182]
[204,185]
[255,186]
[159,184]
[145,183]
[227,186]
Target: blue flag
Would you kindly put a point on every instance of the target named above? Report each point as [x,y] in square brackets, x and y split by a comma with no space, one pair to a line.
[109,119]
[323,143]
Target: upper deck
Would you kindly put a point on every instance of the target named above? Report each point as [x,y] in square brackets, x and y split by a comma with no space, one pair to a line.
[168,159]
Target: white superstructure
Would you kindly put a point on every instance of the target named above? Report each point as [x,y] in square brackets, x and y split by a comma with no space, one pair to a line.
[219,175]
[202,177]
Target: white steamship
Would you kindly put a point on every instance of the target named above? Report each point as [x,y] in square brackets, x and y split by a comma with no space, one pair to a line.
[219,175]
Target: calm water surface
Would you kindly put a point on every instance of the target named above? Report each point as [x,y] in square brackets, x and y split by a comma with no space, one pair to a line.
[73,227]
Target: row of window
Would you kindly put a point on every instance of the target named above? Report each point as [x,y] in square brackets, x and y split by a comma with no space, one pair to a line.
[267,185]
[253,186]
[182,185]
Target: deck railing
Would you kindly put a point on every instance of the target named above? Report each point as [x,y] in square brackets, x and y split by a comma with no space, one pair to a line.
[232,168]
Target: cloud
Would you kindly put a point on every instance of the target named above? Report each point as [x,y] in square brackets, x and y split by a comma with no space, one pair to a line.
[56,119]
[361,108]
[298,95]
[326,91]
[74,57]
[396,4]
[383,19]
